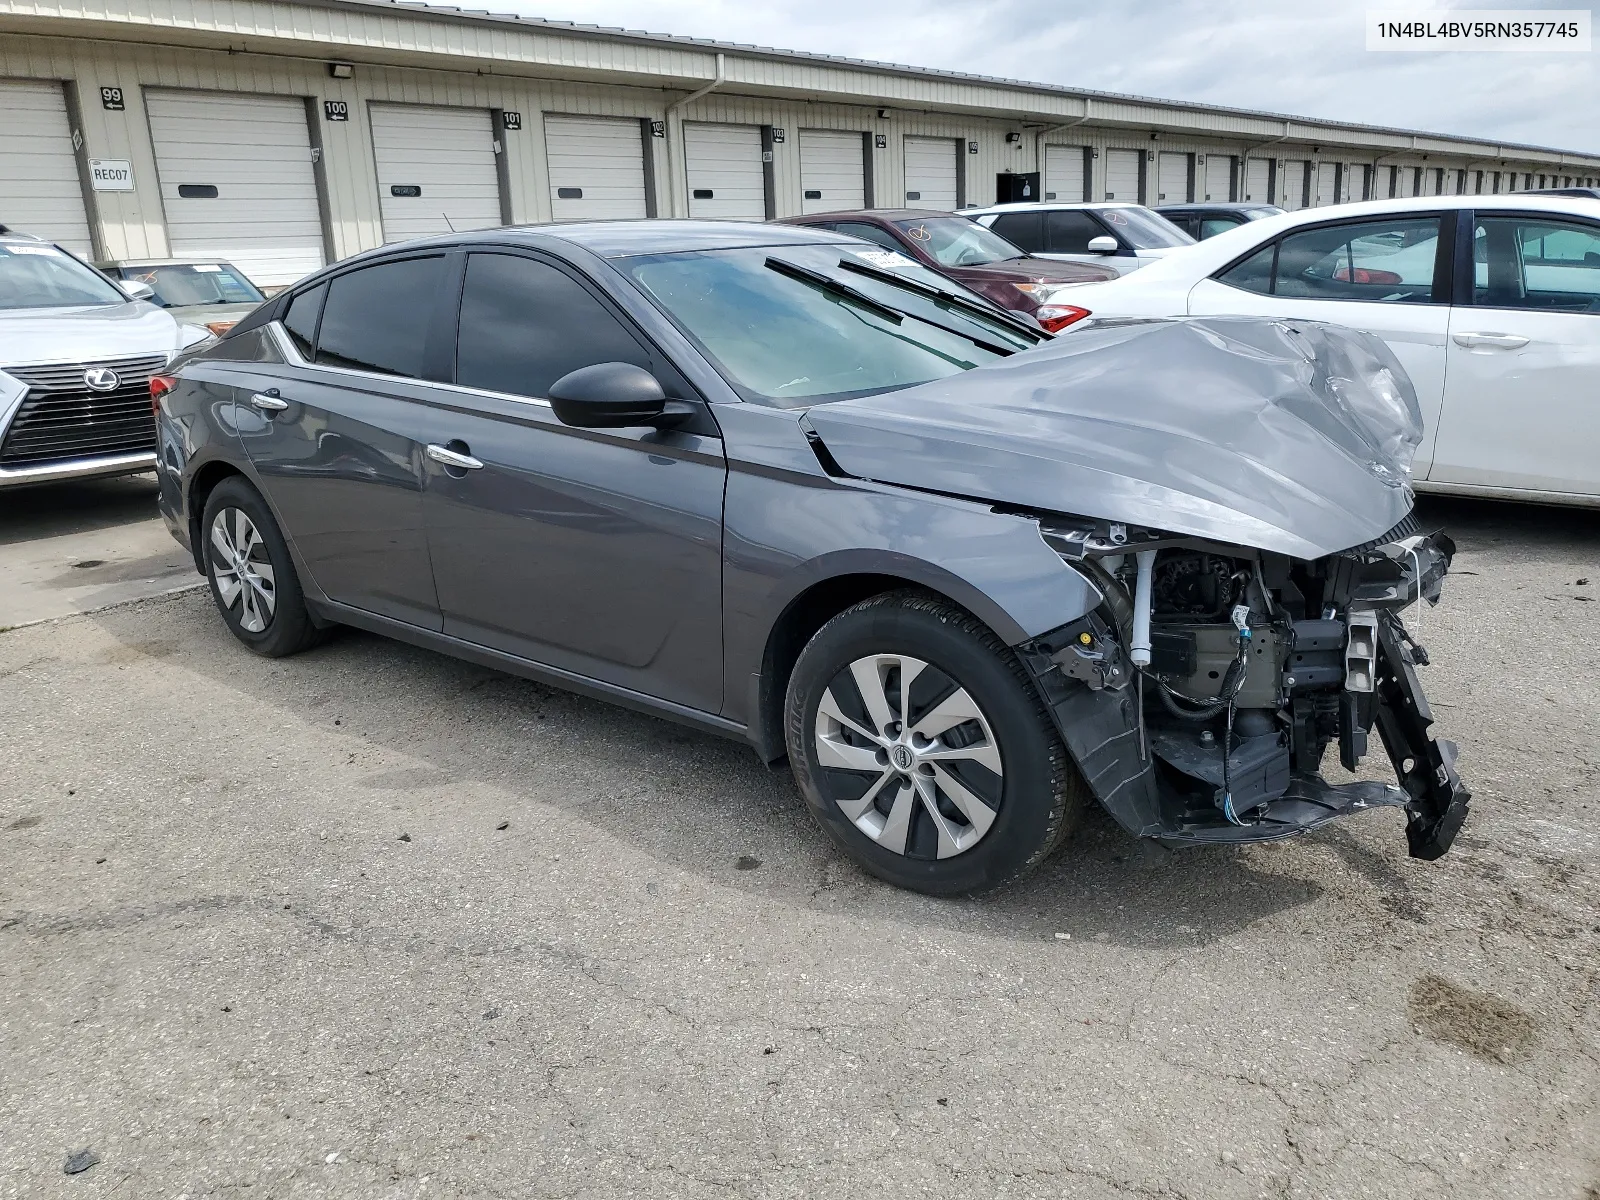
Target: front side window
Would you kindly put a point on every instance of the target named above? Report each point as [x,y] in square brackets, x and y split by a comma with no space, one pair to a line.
[958,242]
[1070,231]
[1536,263]
[1391,261]
[1023,230]
[182,284]
[869,233]
[525,324]
[790,342]
[377,318]
[40,276]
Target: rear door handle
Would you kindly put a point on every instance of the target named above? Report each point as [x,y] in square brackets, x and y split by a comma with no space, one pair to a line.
[1501,341]
[269,401]
[451,458]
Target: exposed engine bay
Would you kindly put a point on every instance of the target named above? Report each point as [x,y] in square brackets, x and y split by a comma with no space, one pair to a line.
[1232,672]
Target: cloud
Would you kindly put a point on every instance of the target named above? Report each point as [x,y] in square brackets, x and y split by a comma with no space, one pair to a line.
[1300,59]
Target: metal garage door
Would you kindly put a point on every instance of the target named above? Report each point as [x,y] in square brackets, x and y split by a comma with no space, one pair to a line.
[832,175]
[1172,178]
[39,188]
[1122,174]
[1218,177]
[1292,183]
[1326,180]
[931,172]
[596,168]
[237,181]
[436,170]
[726,180]
[1257,180]
[1063,174]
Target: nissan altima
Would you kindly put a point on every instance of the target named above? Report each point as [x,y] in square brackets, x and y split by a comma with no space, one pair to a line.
[790,488]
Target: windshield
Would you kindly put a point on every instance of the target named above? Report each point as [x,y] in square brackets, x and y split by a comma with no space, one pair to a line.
[40,276]
[958,242]
[790,342]
[182,284]
[1143,229]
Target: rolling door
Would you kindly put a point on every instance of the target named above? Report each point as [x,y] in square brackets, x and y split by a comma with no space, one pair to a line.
[1292,184]
[596,168]
[1172,178]
[39,188]
[237,181]
[726,179]
[436,170]
[931,172]
[832,174]
[1218,177]
[1122,174]
[1257,180]
[1326,179]
[1063,174]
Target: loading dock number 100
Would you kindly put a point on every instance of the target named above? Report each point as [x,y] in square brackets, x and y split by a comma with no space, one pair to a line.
[336,110]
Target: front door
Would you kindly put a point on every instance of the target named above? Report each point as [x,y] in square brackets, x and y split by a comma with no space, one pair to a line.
[1522,395]
[1383,276]
[334,437]
[595,551]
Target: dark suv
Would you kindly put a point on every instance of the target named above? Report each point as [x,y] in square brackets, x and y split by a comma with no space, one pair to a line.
[963,575]
[965,251]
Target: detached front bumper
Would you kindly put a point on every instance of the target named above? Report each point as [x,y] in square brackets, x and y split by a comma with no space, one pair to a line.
[1169,787]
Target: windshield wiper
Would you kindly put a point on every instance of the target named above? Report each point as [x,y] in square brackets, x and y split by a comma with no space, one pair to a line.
[952,298]
[829,284]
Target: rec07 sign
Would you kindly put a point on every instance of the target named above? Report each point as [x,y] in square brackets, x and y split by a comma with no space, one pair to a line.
[111,174]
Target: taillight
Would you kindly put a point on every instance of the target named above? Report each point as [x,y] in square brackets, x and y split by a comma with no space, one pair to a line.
[1056,317]
[1365,275]
[160,385]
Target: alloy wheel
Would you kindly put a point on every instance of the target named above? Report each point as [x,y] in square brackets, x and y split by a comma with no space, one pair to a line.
[242,569]
[909,756]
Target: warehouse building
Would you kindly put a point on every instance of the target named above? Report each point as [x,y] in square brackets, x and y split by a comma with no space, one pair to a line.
[283,134]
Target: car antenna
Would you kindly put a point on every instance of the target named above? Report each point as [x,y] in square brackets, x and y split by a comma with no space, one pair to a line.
[447,221]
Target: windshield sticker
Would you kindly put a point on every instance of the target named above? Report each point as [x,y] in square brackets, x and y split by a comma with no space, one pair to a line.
[884,258]
[46,251]
[208,268]
[918,233]
[1114,217]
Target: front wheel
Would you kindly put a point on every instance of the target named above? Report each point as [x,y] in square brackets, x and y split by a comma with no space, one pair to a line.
[252,576]
[922,749]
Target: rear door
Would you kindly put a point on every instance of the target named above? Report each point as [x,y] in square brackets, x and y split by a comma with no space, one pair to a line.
[1385,276]
[335,434]
[594,551]
[1522,393]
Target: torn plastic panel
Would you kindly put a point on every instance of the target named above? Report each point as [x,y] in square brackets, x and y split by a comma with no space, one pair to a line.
[1258,664]
[1288,436]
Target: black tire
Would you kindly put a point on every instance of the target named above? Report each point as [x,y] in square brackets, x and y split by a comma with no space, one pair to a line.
[1036,797]
[287,628]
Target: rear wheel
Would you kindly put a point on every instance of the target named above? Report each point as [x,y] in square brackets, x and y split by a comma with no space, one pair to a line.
[253,580]
[922,749]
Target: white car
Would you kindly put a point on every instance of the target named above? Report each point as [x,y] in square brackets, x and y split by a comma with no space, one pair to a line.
[1492,303]
[77,353]
[1121,236]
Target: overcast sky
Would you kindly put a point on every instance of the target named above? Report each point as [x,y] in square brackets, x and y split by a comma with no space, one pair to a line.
[1301,57]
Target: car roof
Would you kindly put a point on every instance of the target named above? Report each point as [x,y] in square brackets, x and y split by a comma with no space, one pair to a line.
[1215,206]
[873,214]
[1050,206]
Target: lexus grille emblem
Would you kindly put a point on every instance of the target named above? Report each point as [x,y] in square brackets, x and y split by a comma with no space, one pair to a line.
[102,379]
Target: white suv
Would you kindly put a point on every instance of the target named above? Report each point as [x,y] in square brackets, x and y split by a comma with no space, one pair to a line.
[1121,236]
[76,357]
[1491,303]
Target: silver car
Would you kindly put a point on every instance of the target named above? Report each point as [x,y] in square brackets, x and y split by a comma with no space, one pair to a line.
[1118,235]
[77,354]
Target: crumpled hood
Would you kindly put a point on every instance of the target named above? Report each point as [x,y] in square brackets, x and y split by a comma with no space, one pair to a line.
[85,333]
[1289,436]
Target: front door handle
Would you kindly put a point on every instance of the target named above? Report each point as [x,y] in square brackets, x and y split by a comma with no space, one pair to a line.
[269,401]
[452,458]
[1501,341]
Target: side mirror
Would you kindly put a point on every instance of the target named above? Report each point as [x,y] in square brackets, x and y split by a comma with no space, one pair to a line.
[1103,245]
[613,396]
[135,290]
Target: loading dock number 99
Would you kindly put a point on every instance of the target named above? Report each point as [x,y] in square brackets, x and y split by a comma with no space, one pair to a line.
[336,110]
[111,99]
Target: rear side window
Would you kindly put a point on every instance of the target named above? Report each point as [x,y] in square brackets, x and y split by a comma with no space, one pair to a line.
[1069,232]
[524,325]
[300,319]
[871,233]
[1024,230]
[1535,263]
[377,318]
[1392,261]
[1211,226]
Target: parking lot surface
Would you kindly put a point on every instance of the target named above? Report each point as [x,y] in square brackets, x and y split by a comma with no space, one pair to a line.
[374,923]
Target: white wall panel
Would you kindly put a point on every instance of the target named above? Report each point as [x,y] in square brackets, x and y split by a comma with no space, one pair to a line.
[1122,174]
[601,159]
[1063,174]
[931,172]
[726,179]
[1172,178]
[445,153]
[1257,181]
[40,192]
[831,175]
[1218,178]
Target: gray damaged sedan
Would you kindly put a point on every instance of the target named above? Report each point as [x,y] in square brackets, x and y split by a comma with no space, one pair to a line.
[794,489]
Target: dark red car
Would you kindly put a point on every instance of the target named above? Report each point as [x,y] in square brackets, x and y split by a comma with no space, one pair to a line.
[976,257]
